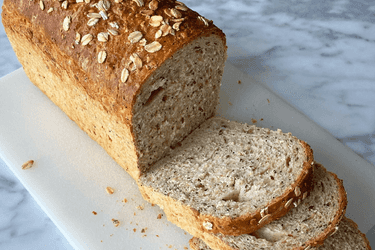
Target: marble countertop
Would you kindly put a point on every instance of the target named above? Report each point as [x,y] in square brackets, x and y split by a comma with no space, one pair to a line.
[318,55]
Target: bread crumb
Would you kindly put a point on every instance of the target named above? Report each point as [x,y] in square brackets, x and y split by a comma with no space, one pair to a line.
[109,190]
[239,82]
[111,235]
[140,207]
[95,213]
[170,246]
[159,216]
[28,164]
[135,214]
[115,222]
[268,100]
[152,205]
[143,230]
[186,248]
[254,121]
[125,200]
[135,230]
[101,241]
[157,235]
[261,119]
[230,103]
[144,235]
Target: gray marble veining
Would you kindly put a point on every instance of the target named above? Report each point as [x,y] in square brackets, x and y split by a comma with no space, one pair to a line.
[318,55]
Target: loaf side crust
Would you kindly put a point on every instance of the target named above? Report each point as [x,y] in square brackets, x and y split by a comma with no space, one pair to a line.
[195,223]
[72,99]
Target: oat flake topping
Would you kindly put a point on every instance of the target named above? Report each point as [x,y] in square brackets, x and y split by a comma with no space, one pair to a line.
[135,36]
[66,23]
[153,47]
[64,5]
[124,75]
[102,56]
[86,39]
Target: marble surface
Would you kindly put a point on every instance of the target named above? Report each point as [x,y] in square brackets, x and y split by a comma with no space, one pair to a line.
[318,55]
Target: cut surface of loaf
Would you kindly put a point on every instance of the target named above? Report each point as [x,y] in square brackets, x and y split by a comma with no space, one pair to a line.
[229,177]
[137,76]
[347,237]
[305,226]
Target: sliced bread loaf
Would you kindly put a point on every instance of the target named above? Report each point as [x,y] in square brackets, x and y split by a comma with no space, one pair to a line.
[303,227]
[137,78]
[347,237]
[229,177]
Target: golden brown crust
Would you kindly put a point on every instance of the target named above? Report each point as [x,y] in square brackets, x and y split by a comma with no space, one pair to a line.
[48,76]
[196,224]
[104,82]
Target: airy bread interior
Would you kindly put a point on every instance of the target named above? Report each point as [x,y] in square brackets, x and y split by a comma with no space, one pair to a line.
[181,94]
[309,223]
[228,169]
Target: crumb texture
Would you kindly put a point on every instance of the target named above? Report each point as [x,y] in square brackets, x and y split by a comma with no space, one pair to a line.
[180,95]
[228,169]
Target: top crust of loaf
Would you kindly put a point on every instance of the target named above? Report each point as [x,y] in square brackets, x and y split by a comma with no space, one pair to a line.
[103,80]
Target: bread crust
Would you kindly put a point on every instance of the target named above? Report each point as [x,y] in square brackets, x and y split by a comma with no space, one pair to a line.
[195,223]
[78,65]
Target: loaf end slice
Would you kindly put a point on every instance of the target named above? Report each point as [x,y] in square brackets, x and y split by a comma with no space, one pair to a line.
[347,237]
[132,82]
[306,226]
[230,177]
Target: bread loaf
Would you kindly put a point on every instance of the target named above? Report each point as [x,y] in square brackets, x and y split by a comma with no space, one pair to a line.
[306,226]
[137,76]
[230,178]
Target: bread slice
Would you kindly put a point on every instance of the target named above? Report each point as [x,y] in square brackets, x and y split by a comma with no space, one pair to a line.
[347,237]
[229,177]
[303,227]
[136,94]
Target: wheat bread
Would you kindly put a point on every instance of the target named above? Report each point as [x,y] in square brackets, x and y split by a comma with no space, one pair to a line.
[229,177]
[304,227]
[347,237]
[137,76]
